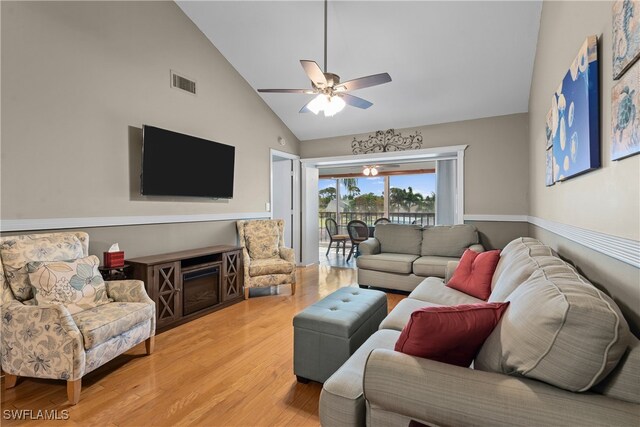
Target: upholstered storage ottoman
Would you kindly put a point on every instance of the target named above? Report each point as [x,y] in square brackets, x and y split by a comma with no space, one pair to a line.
[328,332]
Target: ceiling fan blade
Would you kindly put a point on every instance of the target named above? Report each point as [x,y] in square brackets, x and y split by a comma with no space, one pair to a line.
[314,72]
[362,82]
[308,91]
[354,101]
[305,109]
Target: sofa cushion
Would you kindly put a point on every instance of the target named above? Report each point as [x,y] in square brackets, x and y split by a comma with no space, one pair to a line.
[100,324]
[449,334]
[449,241]
[389,262]
[16,253]
[399,238]
[76,284]
[261,267]
[433,290]
[427,266]
[558,329]
[514,268]
[624,382]
[262,239]
[341,401]
[519,243]
[401,313]
[474,272]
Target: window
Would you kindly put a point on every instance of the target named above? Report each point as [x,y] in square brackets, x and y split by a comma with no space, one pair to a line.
[412,199]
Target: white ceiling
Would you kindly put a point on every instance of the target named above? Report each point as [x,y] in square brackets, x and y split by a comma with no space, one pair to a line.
[449,61]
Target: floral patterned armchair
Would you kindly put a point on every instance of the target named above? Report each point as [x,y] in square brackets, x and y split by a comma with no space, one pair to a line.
[267,262]
[53,341]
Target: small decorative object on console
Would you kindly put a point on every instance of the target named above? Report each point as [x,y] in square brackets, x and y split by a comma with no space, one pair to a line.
[114,257]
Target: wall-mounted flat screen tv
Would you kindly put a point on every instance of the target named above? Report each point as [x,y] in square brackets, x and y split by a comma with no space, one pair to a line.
[175,164]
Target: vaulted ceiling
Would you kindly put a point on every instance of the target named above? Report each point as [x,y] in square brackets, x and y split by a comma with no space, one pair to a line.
[449,61]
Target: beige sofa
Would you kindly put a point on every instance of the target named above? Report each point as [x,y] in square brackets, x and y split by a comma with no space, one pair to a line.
[552,359]
[401,256]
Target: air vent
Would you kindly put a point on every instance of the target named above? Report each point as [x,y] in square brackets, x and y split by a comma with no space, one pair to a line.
[183,83]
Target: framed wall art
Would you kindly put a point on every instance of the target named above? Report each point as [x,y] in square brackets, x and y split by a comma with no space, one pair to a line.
[625,122]
[575,116]
[626,35]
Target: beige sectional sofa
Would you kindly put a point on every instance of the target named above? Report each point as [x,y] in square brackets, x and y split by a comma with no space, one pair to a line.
[562,354]
[401,256]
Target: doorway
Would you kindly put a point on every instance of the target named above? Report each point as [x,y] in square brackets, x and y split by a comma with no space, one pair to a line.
[449,173]
[285,196]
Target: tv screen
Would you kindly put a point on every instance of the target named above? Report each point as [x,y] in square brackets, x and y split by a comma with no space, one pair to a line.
[174,164]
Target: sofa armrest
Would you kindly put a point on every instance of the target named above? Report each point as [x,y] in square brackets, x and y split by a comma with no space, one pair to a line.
[442,394]
[477,248]
[41,341]
[450,269]
[132,291]
[371,246]
[288,254]
[128,291]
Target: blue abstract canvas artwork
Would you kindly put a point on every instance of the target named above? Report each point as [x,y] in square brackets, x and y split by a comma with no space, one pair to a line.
[625,115]
[626,35]
[548,177]
[575,116]
[548,133]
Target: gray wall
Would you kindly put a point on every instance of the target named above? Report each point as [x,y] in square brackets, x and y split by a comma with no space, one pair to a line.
[80,78]
[496,167]
[606,200]
[496,234]
[496,164]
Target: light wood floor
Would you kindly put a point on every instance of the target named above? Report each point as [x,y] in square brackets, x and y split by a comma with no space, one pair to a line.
[241,374]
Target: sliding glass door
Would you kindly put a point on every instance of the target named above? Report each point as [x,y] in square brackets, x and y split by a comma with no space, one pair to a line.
[402,197]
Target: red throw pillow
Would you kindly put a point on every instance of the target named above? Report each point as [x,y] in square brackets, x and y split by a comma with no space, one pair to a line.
[473,274]
[451,334]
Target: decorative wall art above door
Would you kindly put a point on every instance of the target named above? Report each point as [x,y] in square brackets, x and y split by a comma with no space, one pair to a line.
[386,140]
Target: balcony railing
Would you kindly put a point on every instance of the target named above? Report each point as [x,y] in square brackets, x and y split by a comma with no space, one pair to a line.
[421,218]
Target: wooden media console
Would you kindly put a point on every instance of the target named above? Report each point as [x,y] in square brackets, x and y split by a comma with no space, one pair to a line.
[188,284]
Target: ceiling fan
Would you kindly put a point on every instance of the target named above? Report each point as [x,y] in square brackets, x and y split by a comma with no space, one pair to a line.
[332,95]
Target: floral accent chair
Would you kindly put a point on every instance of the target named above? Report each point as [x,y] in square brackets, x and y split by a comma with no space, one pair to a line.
[42,338]
[267,262]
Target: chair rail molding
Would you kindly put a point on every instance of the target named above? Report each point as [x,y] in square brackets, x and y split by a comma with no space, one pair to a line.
[7,225]
[620,248]
[498,218]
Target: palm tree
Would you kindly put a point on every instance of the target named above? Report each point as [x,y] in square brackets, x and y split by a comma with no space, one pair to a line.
[352,187]
[396,197]
[412,199]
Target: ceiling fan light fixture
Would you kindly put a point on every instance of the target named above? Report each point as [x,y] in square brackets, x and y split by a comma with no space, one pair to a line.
[317,104]
[332,94]
[334,105]
[366,171]
[374,171]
